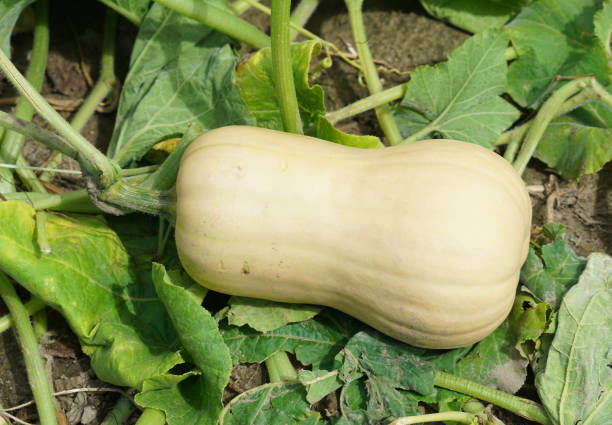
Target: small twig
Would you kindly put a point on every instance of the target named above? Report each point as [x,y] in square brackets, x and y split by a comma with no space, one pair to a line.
[14,418]
[551,198]
[74,391]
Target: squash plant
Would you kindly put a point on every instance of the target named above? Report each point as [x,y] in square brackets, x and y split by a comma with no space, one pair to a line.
[468,220]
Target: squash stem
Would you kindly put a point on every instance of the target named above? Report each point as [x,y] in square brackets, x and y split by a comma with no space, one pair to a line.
[545,115]
[301,14]
[10,151]
[32,306]
[94,161]
[365,104]
[37,374]
[461,417]
[211,13]
[383,113]
[520,406]
[282,66]
[151,416]
[280,368]
[73,201]
[104,86]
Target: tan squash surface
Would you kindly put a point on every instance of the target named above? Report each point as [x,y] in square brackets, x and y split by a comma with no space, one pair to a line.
[423,242]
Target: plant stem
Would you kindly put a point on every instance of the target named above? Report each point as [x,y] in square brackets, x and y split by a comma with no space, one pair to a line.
[32,306]
[35,132]
[510,54]
[383,113]
[74,201]
[37,375]
[120,412]
[239,7]
[151,416]
[104,86]
[12,144]
[280,368]
[545,115]
[95,162]
[461,417]
[211,14]
[282,66]
[301,14]
[41,232]
[365,104]
[522,407]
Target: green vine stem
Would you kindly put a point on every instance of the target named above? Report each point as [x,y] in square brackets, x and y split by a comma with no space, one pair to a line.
[367,103]
[280,368]
[151,416]
[35,132]
[211,14]
[32,306]
[119,413]
[103,87]
[37,375]
[238,7]
[544,116]
[461,417]
[386,120]
[41,232]
[301,14]
[282,66]
[520,406]
[95,162]
[74,201]
[10,151]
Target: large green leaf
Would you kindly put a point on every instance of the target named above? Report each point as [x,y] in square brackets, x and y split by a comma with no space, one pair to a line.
[580,142]
[460,99]
[551,271]
[316,340]
[553,37]
[474,15]
[133,10]
[576,384]
[180,72]
[256,82]
[197,399]
[9,13]
[265,316]
[89,277]
[271,404]
[494,362]
[603,27]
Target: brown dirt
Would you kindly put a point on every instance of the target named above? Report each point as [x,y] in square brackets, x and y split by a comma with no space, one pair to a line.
[585,207]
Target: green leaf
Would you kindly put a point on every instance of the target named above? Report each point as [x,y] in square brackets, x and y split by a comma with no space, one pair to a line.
[319,383]
[204,347]
[494,362]
[132,10]
[576,384]
[549,274]
[255,79]
[603,27]
[553,37]
[264,315]
[108,301]
[528,321]
[580,142]
[389,367]
[10,10]
[315,341]
[180,72]
[269,404]
[474,15]
[460,99]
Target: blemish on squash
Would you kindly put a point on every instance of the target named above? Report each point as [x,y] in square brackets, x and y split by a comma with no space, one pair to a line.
[245,268]
[221,266]
[284,165]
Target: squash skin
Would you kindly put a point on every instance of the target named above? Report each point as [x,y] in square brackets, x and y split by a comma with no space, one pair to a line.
[423,242]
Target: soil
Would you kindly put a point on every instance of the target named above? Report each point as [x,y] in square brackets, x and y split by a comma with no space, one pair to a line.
[584,207]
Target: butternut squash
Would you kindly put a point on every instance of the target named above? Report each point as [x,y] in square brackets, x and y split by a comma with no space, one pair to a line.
[423,241]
